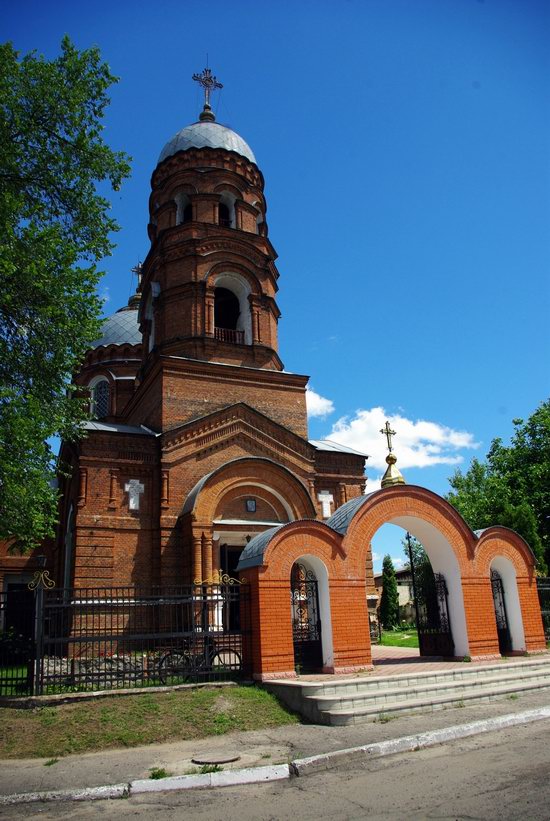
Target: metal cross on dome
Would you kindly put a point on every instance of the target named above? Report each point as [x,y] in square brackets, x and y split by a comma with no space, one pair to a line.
[388,433]
[208,82]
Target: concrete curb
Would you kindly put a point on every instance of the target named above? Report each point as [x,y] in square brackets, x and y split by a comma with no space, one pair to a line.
[278,772]
[410,743]
[227,778]
[87,794]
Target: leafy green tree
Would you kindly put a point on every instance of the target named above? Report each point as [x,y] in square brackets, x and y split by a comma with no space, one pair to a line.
[512,487]
[426,594]
[389,601]
[55,227]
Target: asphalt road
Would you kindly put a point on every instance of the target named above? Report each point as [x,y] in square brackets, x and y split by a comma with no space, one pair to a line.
[502,775]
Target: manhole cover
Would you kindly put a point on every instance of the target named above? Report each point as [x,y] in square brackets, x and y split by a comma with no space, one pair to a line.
[215,759]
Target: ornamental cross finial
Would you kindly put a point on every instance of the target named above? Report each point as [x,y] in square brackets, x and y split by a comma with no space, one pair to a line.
[208,82]
[388,433]
[137,269]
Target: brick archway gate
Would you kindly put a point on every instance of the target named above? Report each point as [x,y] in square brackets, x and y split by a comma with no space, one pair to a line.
[342,545]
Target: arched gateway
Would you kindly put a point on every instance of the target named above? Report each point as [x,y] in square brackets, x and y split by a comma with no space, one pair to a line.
[337,551]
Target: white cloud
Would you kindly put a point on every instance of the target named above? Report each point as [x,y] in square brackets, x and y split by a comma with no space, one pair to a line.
[105,295]
[398,562]
[418,444]
[376,556]
[373,484]
[317,405]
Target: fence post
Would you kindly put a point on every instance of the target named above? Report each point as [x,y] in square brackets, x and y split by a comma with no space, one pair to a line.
[41,580]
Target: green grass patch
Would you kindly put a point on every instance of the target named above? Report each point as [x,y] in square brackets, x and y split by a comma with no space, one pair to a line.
[399,638]
[156,773]
[128,721]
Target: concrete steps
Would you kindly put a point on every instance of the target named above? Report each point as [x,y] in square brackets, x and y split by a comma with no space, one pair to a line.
[359,700]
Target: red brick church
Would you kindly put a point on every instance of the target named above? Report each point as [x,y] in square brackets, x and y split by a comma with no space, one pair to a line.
[199,439]
[197,461]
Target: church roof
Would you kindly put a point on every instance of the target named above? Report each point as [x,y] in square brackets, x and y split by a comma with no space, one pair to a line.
[121,328]
[253,553]
[207,135]
[327,444]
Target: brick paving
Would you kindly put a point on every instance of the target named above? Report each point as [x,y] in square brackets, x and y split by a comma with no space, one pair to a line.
[394,661]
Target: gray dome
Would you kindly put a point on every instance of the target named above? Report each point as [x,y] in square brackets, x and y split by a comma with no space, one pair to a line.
[121,328]
[206,135]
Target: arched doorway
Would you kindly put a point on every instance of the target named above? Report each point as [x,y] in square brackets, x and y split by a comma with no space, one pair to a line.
[509,620]
[433,589]
[306,618]
[503,631]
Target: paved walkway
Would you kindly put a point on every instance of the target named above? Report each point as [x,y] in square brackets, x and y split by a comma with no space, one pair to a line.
[394,661]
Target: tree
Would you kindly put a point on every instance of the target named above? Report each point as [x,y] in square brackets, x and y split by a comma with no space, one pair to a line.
[424,580]
[389,601]
[512,488]
[55,228]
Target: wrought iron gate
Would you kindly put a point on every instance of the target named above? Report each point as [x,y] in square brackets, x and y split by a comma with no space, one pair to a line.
[434,627]
[306,624]
[504,638]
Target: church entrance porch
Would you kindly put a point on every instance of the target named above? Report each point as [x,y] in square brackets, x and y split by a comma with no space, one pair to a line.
[460,618]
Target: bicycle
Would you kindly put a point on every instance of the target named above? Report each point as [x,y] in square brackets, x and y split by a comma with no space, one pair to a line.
[185,666]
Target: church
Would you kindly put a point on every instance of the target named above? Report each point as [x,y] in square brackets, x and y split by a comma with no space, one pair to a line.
[199,439]
[196,464]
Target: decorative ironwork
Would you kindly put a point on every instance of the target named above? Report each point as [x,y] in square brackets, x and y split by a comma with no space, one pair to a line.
[306,623]
[433,623]
[54,640]
[543,588]
[42,579]
[208,82]
[503,630]
[220,578]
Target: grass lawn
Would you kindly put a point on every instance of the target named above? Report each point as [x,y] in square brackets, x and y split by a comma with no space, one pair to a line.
[127,721]
[399,638]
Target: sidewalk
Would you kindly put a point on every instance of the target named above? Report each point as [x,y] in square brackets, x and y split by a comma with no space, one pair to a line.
[254,749]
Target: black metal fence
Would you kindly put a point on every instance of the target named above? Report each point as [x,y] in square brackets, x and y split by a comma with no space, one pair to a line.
[59,640]
[543,586]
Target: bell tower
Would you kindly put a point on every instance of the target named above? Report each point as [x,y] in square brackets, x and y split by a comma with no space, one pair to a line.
[209,281]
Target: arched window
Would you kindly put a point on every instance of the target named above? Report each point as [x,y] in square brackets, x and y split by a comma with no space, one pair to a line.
[100,399]
[232,316]
[184,212]
[226,309]
[226,210]
[223,215]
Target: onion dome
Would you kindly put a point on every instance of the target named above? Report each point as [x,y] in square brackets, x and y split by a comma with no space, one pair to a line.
[207,133]
[121,328]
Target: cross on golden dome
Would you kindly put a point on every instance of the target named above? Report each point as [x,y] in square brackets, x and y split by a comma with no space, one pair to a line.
[388,433]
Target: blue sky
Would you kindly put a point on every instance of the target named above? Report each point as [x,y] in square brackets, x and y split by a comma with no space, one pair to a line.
[405,147]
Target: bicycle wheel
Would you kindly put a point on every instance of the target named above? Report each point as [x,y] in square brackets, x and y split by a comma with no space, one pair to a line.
[176,668]
[226,661]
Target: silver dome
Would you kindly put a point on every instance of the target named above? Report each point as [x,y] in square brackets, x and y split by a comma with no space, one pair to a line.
[121,328]
[206,135]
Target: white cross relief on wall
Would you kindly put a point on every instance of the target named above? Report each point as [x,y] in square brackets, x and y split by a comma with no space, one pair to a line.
[134,489]
[326,498]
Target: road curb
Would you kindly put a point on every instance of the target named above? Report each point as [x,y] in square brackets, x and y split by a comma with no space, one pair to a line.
[86,794]
[277,772]
[410,743]
[224,778]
